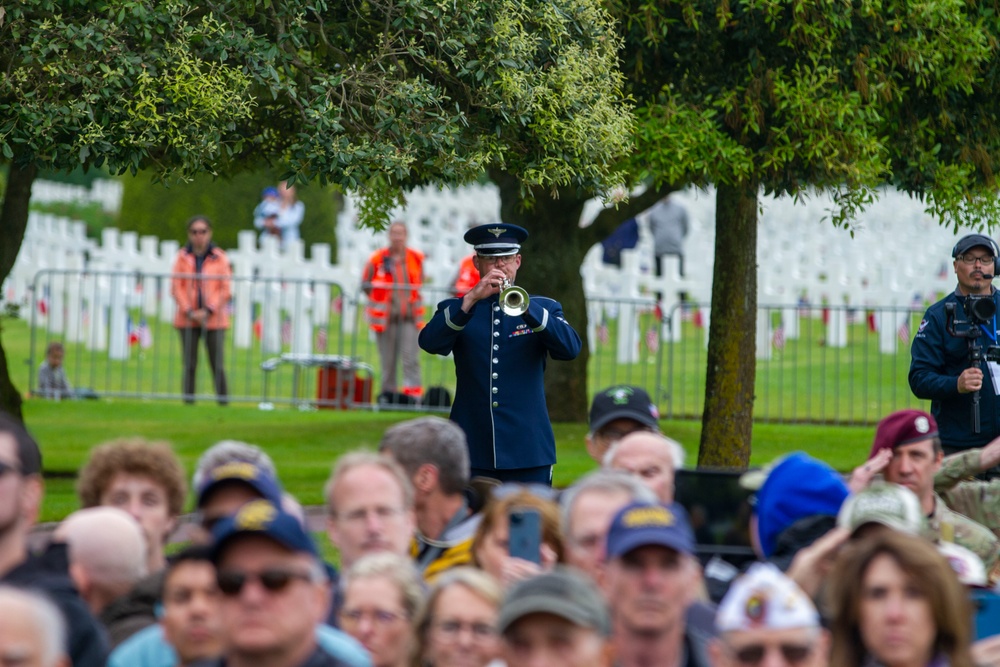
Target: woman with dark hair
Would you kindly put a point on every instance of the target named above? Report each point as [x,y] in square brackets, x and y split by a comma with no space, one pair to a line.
[895,602]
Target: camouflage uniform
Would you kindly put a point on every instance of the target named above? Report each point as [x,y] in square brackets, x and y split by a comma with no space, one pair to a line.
[947,525]
[977,500]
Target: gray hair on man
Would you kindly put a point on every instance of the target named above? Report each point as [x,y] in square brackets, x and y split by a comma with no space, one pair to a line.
[41,614]
[675,448]
[360,459]
[606,481]
[440,442]
[230,451]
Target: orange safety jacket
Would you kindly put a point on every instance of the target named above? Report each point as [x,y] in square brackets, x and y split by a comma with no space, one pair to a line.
[468,276]
[379,283]
[213,285]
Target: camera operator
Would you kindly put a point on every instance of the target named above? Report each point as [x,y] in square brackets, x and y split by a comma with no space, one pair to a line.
[951,350]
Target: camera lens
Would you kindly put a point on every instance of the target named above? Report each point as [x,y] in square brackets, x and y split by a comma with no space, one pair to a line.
[982,309]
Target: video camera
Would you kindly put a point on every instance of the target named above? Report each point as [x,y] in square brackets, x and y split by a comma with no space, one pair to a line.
[979,309]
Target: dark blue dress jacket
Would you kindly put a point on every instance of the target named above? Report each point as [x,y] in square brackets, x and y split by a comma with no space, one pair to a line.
[499,362]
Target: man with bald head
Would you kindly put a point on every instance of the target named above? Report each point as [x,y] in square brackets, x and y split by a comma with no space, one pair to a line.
[651,457]
[107,558]
[33,632]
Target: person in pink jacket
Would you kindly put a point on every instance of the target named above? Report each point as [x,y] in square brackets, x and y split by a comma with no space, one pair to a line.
[201,287]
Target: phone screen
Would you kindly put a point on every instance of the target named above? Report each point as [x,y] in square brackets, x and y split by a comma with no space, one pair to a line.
[987,606]
[525,540]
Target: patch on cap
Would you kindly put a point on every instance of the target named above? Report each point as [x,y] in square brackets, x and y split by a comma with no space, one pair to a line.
[884,503]
[765,598]
[649,524]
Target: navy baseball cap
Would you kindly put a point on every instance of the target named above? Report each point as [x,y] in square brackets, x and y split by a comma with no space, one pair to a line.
[496,240]
[261,517]
[970,241]
[649,524]
[257,478]
[623,402]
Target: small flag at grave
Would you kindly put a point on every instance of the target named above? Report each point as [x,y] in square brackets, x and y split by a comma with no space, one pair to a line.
[653,339]
[904,332]
[778,338]
[145,335]
[286,331]
[322,339]
[602,333]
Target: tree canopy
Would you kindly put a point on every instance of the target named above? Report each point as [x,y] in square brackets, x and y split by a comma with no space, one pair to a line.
[780,96]
[376,95]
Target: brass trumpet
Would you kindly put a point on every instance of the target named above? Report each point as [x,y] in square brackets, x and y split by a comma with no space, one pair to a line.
[513,299]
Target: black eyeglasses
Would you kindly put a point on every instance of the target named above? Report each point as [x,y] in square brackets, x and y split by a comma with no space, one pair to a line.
[231,582]
[972,259]
[9,468]
[753,654]
[198,231]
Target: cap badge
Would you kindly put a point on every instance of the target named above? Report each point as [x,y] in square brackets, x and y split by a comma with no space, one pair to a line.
[235,470]
[648,516]
[620,395]
[922,425]
[255,515]
[496,231]
[756,608]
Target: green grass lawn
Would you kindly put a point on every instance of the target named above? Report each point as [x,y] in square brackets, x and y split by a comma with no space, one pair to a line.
[304,445]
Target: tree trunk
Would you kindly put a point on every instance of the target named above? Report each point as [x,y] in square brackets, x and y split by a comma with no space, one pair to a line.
[551,259]
[727,421]
[13,221]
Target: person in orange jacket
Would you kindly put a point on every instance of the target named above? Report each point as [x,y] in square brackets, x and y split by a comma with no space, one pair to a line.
[467,278]
[200,285]
[392,279]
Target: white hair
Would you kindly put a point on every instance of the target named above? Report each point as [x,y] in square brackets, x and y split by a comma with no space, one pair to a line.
[603,481]
[674,449]
[43,614]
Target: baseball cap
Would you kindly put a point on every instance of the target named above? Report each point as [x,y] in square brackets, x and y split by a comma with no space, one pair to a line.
[888,504]
[764,598]
[903,427]
[623,402]
[262,517]
[967,565]
[970,241]
[645,524]
[257,478]
[561,592]
[269,191]
[496,240]
[797,487]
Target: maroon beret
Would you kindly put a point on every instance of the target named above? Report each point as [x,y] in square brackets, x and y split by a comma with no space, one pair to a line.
[903,427]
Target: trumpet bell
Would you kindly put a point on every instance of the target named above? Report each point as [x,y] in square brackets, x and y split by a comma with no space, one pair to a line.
[513,300]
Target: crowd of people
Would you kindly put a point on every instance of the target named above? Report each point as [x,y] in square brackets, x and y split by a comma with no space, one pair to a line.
[871,569]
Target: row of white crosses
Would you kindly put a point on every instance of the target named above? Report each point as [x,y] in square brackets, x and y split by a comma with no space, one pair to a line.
[897,252]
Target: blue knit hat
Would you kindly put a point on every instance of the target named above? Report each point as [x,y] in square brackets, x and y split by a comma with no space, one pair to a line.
[797,487]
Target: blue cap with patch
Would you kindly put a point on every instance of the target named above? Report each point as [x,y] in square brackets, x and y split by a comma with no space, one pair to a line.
[649,524]
[260,517]
[496,240]
[257,478]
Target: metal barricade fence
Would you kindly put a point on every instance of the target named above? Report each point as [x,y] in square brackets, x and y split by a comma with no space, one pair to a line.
[307,343]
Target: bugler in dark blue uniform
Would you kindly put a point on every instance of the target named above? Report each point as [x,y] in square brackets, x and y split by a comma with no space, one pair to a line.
[500,360]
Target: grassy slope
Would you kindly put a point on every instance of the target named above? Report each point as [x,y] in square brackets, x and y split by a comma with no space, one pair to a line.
[305,444]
